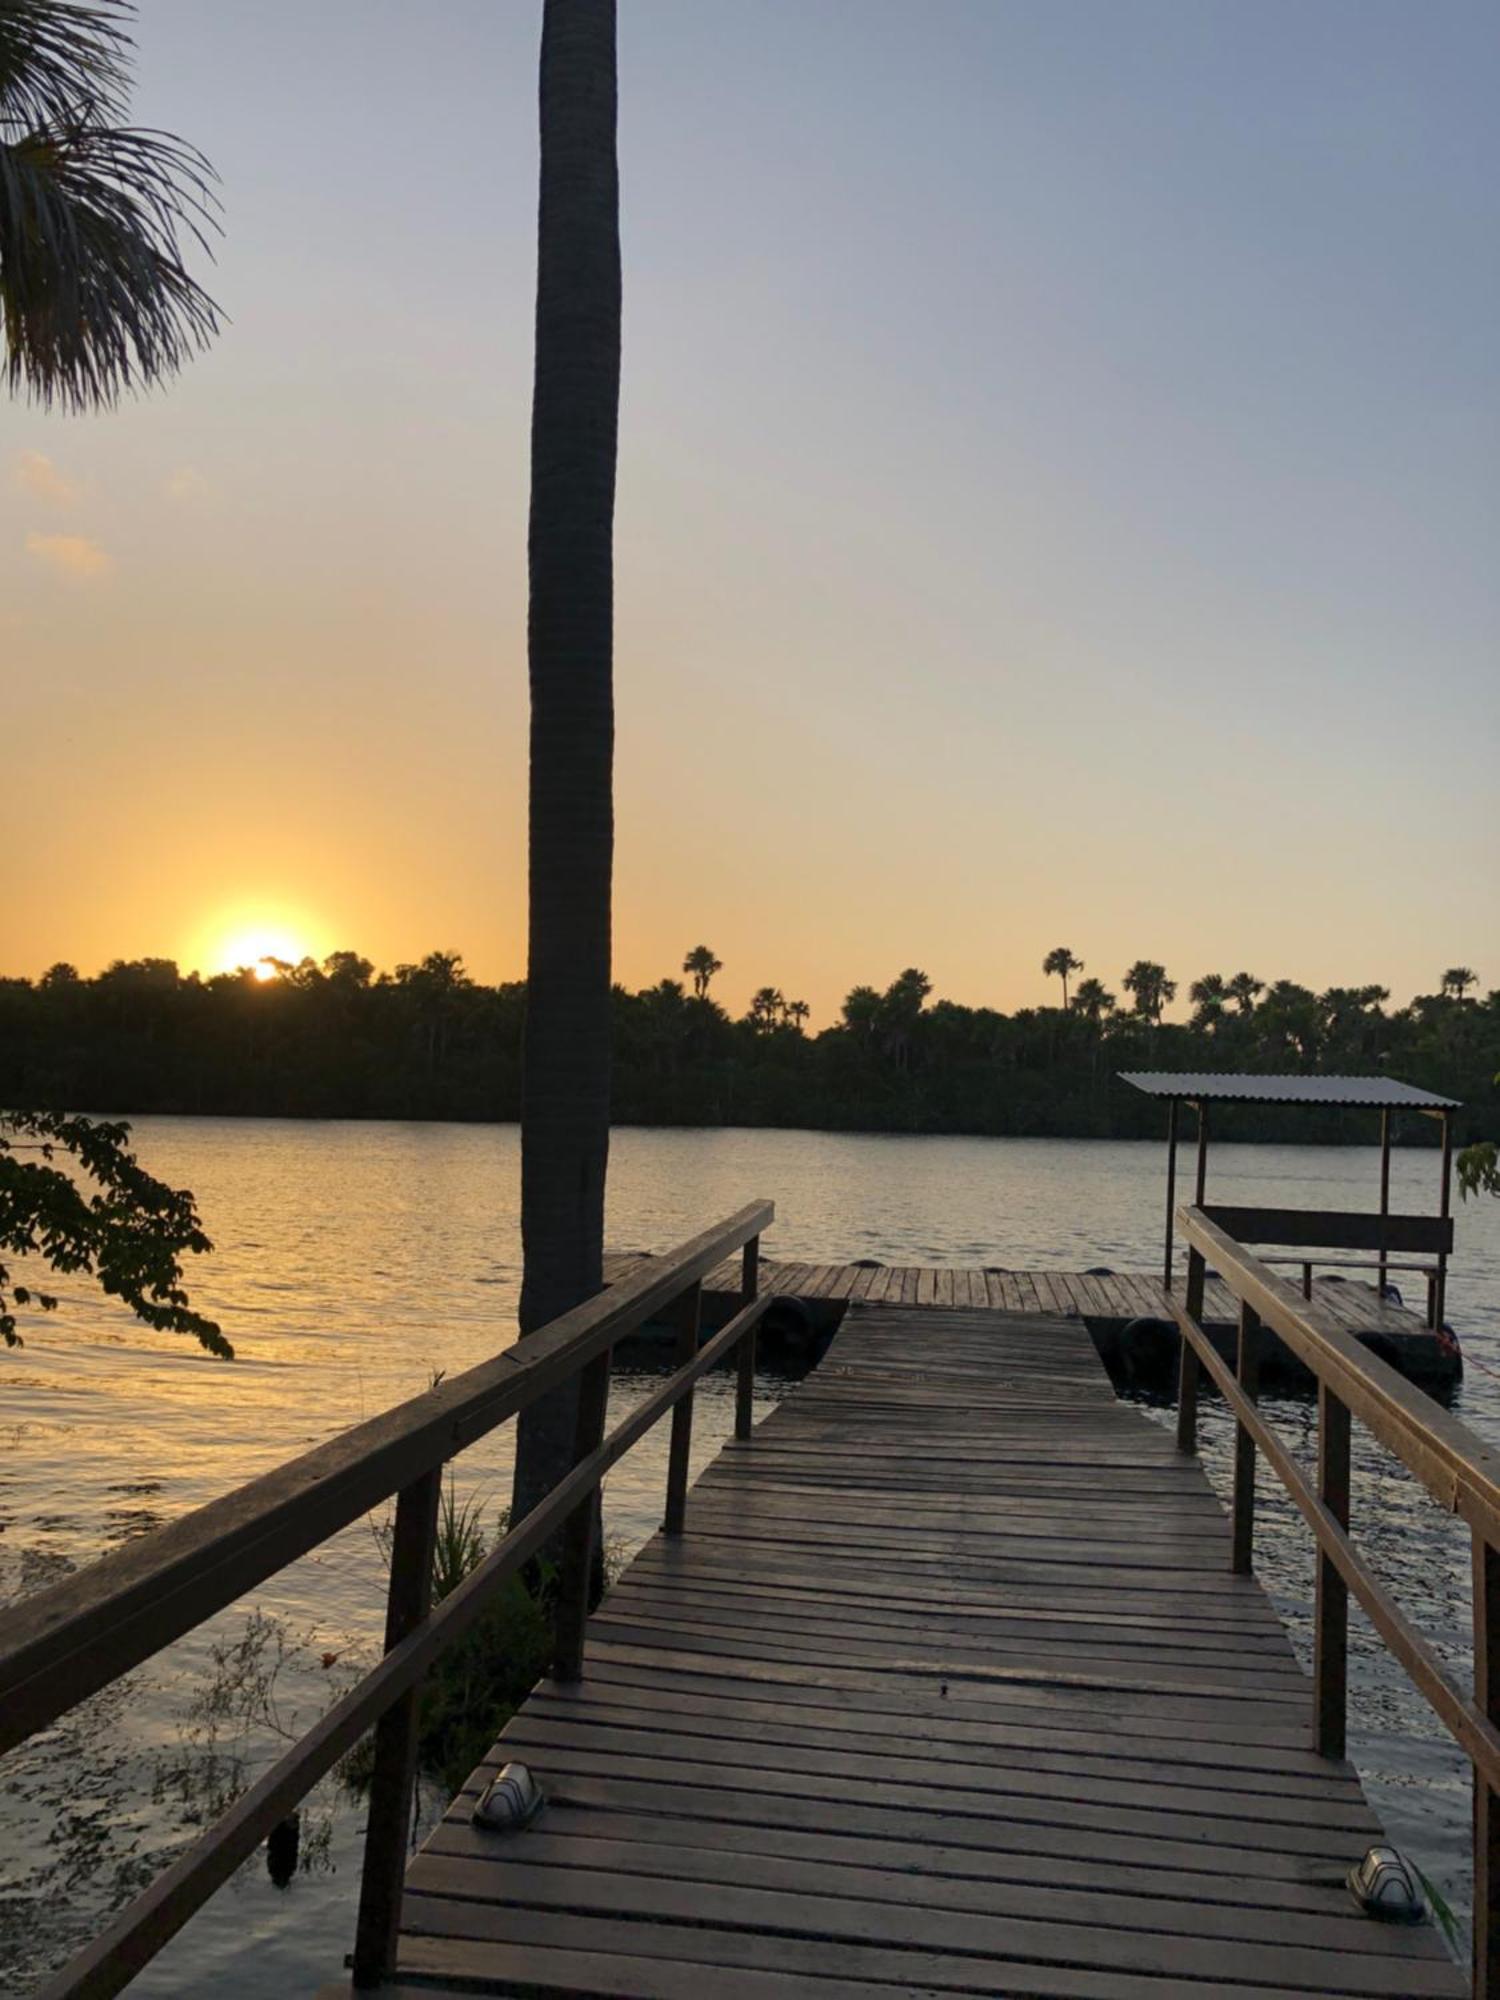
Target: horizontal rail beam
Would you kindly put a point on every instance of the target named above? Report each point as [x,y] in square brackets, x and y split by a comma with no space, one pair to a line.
[1334,1228]
[1459,1470]
[1475,1735]
[67,1642]
[112,1959]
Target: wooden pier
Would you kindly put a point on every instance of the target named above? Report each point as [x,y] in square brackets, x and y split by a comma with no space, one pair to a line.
[1121,1295]
[948,1677]
[1110,1302]
[946,1687]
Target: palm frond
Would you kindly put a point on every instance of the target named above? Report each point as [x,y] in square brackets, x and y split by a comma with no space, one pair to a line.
[95,298]
[58,54]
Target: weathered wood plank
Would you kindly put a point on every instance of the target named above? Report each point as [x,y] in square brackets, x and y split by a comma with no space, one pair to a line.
[948,1688]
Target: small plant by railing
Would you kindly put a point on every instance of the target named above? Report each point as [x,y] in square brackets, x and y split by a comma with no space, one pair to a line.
[68,1642]
[1458,1469]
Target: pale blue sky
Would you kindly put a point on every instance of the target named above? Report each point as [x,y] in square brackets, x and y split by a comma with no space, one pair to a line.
[1058,499]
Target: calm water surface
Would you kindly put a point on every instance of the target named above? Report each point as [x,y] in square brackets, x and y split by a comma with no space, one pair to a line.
[351,1262]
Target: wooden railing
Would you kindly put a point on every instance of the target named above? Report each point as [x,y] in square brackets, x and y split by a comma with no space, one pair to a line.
[1345,1229]
[1458,1469]
[66,1643]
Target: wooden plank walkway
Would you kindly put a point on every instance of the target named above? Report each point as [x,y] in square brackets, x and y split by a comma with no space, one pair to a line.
[1124,1295]
[947,1689]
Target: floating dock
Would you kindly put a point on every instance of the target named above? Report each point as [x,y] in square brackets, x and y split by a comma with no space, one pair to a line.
[946,1688]
[1126,1312]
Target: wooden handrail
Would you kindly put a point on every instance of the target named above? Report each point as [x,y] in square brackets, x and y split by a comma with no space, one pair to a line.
[1334,1228]
[1452,1461]
[1455,1465]
[66,1642]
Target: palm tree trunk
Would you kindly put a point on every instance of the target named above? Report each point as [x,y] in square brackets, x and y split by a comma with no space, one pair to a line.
[575,408]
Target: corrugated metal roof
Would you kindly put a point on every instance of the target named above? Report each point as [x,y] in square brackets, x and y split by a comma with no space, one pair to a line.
[1377,1093]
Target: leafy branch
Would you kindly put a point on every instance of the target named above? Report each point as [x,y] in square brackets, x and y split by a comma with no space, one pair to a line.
[109,1219]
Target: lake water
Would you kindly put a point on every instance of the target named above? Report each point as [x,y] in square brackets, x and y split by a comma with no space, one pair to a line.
[353,1260]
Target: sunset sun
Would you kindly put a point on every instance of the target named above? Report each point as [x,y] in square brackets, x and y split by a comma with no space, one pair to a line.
[261,949]
[260,941]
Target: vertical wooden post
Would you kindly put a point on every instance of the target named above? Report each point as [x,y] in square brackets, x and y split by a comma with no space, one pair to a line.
[1202,1180]
[688,1312]
[394,1776]
[1486,1803]
[1247,1367]
[1307,1281]
[1166,1269]
[1189,1366]
[1440,1291]
[744,1392]
[1385,1190]
[1331,1606]
[575,1575]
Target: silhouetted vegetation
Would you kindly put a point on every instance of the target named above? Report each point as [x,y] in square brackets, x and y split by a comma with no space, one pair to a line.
[85,1204]
[94,296]
[338,1040]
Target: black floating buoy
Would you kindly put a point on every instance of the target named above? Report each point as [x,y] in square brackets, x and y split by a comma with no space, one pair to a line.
[787,1318]
[282,1843]
[1148,1348]
[1098,1271]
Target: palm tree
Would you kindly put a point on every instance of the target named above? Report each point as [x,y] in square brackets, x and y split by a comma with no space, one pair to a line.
[767,1009]
[1244,989]
[1093,1000]
[94,296]
[570,634]
[702,965]
[1209,995]
[862,1011]
[1289,1022]
[1458,979]
[797,1012]
[1152,989]
[1062,962]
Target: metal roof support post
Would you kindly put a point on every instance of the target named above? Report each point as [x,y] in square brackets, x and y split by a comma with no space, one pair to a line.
[1385,1188]
[1166,1273]
[1445,1208]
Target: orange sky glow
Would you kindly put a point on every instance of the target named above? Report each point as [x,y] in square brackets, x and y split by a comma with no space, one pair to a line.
[1107,561]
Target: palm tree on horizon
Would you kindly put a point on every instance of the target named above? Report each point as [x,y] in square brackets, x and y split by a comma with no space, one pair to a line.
[1458,979]
[701,965]
[1210,996]
[767,1008]
[1062,962]
[95,299]
[1093,1001]
[1244,990]
[1152,989]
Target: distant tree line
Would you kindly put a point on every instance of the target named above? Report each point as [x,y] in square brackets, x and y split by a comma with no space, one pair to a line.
[341,1040]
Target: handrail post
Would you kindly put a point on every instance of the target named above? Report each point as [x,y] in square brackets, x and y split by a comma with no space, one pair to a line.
[1331,1606]
[394,1776]
[1247,1368]
[688,1313]
[744,1393]
[575,1576]
[1486,1802]
[1188,1369]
